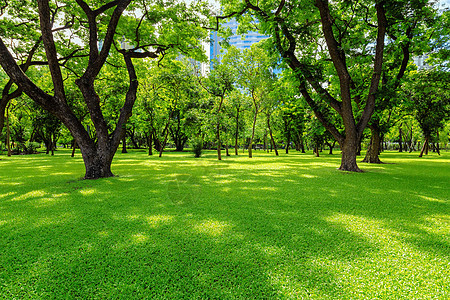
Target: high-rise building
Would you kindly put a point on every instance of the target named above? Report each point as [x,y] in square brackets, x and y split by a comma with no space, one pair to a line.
[239,41]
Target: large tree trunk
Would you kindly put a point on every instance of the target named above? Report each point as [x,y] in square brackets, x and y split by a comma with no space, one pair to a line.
[349,148]
[98,165]
[373,151]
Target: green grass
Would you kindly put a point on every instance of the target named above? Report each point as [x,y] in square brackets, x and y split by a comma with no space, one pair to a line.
[289,227]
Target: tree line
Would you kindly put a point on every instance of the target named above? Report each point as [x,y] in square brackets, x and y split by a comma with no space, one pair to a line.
[101,74]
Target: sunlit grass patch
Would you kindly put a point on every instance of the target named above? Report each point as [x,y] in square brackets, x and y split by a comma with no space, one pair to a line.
[175,227]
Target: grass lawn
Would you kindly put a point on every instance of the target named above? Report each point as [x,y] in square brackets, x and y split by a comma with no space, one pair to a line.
[288,227]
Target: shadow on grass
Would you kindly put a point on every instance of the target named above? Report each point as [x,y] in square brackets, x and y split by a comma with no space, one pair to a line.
[183,228]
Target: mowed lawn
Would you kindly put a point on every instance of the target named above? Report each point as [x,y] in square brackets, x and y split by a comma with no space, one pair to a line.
[288,227]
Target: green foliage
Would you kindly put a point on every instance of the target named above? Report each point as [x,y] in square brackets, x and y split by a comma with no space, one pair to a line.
[429,99]
[197,146]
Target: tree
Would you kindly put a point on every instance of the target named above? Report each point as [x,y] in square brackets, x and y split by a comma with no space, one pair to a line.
[430,101]
[257,78]
[219,83]
[162,27]
[310,35]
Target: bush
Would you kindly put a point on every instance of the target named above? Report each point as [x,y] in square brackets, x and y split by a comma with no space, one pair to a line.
[31,147]
[197,147]
[26,148]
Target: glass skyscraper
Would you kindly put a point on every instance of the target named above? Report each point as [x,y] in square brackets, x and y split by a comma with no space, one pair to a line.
[239,41]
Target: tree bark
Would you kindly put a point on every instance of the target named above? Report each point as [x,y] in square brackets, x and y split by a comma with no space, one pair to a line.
[8,132]
[250,146]
[400,139]
[272,141]
[437,143]
[236,136]
[373,151]
[316,151]
[124,144]
[348,160]
[74,147]
[219,143]
[425,147]
[150,143]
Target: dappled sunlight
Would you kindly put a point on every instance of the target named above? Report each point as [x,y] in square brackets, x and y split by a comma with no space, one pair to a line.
[29,195]
[159,220]
[47,201]
[374,231]
[104,234]
[438,225]
[53,220]
[289,227]
[5,195]
[432,199]
[308,176]
[139,238]
[270,251]
[87,192]
[212,228]
[12,183]
[123,179]
[60,173]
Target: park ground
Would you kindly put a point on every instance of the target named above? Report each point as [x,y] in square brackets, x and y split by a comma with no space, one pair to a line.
[288,227]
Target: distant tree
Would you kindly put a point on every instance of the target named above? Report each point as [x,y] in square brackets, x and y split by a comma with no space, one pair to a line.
[429,97]
[219,84]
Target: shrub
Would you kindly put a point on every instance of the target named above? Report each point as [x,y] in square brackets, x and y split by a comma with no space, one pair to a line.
[31,147]
[197,146]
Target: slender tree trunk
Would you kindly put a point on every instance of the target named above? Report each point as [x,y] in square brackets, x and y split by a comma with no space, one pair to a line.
[52,144]
[273,145]
[265,140]
[373,151]
[47,145]
[331,145]
[73,148]
[400,139]
[250,146]
[8,132]
[424,147]
[236,137]
[226,149]
[163,145]
[219,143]
[437,143]
[124,144]
[150,143]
